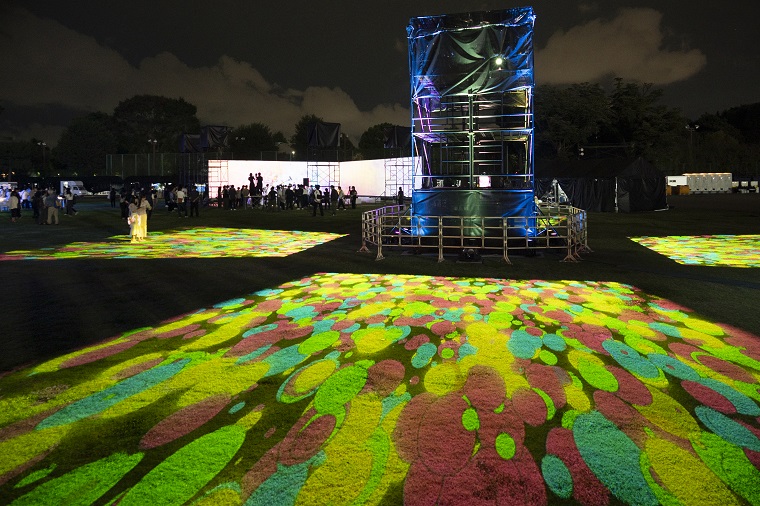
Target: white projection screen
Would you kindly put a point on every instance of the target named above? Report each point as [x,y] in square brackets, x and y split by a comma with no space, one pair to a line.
[368,176]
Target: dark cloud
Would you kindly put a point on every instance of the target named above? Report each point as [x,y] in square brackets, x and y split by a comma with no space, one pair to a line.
[273,62]
[68,69]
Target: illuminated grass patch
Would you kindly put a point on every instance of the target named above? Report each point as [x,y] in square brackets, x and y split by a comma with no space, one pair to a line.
[359,389]
[714,250]
[192,243]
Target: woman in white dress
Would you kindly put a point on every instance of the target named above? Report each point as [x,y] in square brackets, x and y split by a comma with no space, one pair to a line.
[142,211]
[135,228]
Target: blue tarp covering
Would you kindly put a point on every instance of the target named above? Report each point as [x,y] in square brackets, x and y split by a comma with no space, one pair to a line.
[323,135]
[428,204]
[189,143]
[457,53]
[472,202]
[214,137]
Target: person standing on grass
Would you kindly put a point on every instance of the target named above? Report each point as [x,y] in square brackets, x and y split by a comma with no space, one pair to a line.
[194,196]
[14,204]
[52,204]
[25,195]
[124,206]
[38,206]
[152,197]
[69,202]
[272,198]
[341,199]
[135,227]
[290,196]
[354,196]
[143,208]
[316,201]
[181,210]
[244,197]
[333,199]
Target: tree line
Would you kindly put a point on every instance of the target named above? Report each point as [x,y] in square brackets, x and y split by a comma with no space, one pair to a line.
[571,121]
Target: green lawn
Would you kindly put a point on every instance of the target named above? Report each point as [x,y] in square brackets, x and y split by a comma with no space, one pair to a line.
[61,306]
[232,361]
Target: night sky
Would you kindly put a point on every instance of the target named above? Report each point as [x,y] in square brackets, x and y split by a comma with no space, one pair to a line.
[241,62]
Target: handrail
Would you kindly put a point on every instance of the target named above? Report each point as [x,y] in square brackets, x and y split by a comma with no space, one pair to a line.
[561,227]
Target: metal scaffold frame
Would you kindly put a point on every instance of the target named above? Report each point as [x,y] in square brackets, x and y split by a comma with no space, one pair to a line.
[475,141]
[323,173]
[218,175]
[398,174]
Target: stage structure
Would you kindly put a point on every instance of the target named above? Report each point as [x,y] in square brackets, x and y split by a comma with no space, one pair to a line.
[202,160]
[472,116]
[397,142]
[323,164]
[218,175]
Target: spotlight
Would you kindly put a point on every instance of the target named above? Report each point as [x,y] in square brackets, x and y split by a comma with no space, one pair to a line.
[469,255]
[499,61]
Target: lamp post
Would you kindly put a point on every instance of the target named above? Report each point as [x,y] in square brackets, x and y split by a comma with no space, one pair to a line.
[154,143]
[284,148]
[42,145]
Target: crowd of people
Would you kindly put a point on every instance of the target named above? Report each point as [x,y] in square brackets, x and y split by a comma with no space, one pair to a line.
[45,204]
[285,197]
[136,205]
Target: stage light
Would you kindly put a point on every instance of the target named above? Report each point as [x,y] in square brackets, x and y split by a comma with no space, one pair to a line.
[499,61]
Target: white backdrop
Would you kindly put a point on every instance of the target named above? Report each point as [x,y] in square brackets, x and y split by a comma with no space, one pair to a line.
[368,176]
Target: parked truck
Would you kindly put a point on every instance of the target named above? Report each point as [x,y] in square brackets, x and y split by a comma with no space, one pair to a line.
[77,188]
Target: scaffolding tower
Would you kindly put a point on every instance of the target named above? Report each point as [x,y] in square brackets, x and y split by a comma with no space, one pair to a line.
[398,174]
[475,141]
[472,113]
[322,156]
[322,172]
[218,175]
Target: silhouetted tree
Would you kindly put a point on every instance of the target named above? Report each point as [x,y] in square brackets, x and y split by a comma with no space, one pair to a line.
[144,117]
[248,141]
[746,119]
[85,143]
[568,116]
[649,129]
[299,139]
[374,137]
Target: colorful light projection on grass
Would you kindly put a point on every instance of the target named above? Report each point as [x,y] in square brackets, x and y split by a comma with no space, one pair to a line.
[361,389]
[193,243]
[713,250]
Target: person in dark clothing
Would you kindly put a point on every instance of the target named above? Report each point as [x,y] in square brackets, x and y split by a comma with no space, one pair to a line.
[194,197]
[333,199]
[316,201]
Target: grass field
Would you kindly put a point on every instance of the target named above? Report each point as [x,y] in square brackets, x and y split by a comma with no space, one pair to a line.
[250,357]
